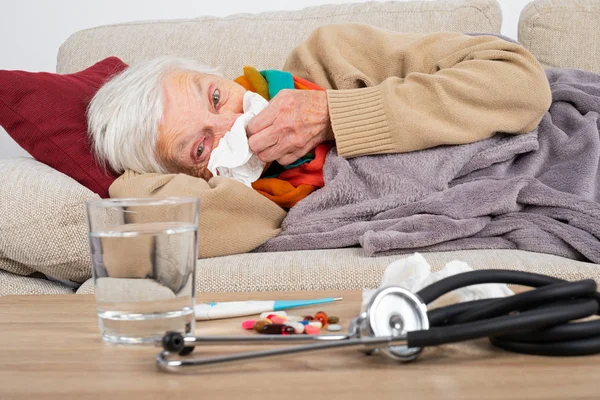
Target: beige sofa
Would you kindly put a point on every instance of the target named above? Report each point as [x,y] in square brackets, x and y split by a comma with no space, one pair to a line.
[42,221]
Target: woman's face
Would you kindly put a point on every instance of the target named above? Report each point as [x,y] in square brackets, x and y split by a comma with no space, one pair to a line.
[198,110]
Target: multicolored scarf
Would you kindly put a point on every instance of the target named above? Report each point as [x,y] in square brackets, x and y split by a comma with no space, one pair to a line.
[286,184]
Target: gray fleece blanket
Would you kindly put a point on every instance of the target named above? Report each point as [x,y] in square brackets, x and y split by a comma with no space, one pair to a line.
[538,191]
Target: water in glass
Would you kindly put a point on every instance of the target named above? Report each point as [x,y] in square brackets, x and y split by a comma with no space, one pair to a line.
[144,280]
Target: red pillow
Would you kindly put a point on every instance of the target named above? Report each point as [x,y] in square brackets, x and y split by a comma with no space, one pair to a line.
[45,114]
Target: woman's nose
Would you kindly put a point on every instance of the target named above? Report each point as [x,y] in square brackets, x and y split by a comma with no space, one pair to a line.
[224,122]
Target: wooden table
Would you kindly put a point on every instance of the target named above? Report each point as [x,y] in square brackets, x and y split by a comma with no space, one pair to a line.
[51,348]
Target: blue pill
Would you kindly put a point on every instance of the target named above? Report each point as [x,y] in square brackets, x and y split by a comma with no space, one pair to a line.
[305,322]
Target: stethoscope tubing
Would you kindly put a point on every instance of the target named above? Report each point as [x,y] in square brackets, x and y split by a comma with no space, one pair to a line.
[528,300]
[480,309]
[543,331]
[570,348]
[501,325]
[439,288]
[578,330]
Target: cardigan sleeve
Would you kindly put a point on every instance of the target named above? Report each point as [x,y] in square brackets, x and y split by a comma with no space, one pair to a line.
[233,217]
[392,92]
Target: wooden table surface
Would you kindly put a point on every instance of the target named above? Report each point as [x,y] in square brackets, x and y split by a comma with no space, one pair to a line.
[51,348]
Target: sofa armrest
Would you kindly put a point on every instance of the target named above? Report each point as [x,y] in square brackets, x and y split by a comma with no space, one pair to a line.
[562,34]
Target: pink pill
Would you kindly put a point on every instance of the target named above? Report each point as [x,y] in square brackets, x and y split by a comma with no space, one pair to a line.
[248,324]
[277,320]
[311,330]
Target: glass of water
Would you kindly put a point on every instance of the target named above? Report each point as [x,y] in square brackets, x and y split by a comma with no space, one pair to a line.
[143,262]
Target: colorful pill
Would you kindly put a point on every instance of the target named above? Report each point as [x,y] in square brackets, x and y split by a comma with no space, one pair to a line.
[277,329]
[321,317]
[277,313]
[333,319]
[294,318]
[334,328]
[315,324]
[304,322]
[248,324]
[288,330]
[298,327]
[311,330]
[308,318]
[258,325]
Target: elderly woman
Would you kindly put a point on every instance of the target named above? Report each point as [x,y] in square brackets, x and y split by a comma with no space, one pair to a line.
[158,121]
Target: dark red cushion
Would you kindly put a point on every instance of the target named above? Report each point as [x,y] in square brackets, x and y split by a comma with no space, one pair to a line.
[45,114]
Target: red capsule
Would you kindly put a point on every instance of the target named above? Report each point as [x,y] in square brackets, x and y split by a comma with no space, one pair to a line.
[308,318]
[321,317]
[277,329]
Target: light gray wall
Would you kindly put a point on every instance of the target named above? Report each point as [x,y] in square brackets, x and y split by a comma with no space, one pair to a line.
[31,31]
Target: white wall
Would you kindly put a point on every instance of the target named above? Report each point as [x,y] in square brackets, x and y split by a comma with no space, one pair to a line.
[32,30]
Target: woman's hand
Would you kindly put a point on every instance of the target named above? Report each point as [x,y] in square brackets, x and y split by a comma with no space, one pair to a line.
[294,122]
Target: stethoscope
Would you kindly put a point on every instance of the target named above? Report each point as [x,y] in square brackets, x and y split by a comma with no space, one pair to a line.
[396,323]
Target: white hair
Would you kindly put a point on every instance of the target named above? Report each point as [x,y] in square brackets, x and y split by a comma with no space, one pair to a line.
[125,114]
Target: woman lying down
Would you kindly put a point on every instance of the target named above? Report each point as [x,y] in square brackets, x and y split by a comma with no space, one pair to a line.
[392,141]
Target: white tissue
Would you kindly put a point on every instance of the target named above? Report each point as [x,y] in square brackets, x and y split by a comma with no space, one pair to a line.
[414,273]
[232,158]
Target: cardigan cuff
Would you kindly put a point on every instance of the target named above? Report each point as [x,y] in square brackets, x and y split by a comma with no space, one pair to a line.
[359,122]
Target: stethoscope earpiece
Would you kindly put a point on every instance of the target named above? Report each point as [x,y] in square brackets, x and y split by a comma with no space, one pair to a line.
[173,342]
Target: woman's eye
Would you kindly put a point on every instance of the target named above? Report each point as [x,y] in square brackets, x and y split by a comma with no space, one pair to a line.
[199,150]
[216,97]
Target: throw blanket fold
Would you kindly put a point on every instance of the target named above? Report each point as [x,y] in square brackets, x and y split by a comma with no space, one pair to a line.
[538,192]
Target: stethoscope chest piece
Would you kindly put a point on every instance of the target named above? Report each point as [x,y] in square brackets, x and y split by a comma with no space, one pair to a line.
[392,312]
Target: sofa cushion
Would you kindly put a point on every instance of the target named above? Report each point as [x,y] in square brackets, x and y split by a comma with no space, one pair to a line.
[11,284]
[562,34]
[265,39]
[45,114]
[351,269]
[42,221]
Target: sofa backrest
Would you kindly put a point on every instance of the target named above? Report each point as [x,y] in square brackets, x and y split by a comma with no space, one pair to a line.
[264,40]
[562,34]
